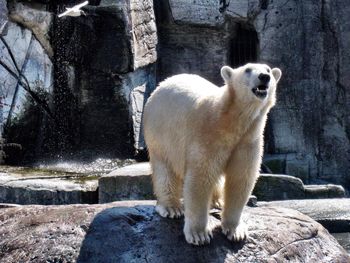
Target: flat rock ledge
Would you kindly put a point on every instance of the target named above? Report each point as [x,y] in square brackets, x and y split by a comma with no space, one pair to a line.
[34,186]
[130,231]
[133,182]
[333,214]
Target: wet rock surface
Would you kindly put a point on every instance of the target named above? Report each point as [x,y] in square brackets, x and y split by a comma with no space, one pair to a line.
[55,183]
[45,187]
[132,232]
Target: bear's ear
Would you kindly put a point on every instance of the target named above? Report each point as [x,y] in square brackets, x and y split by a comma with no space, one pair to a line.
[227,73]
[277,73]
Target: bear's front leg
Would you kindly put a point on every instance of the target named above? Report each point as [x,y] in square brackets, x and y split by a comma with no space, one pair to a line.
[241,173]
[197,195]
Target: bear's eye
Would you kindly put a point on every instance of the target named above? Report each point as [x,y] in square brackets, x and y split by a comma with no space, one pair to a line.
[268,70]
[248,70]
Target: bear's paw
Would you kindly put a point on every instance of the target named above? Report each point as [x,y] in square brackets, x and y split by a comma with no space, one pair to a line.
[169,212]
[236,233]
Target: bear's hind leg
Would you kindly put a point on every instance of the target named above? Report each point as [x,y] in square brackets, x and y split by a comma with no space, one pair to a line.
[167,187]
[218,193]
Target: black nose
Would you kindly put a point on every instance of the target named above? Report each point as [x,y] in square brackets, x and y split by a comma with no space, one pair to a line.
[264,78]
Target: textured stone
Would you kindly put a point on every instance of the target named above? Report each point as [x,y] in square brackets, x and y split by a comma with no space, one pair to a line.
[324,191]
[206,12]
[145,37]
[3,15]
[37,21]
[137,87]
[106,71]
[127,183]
[182,50]
[343,239]
[278,187]
[298,165]
[302,122]
[276,163]
[333,214]
[134,24]
[133,232]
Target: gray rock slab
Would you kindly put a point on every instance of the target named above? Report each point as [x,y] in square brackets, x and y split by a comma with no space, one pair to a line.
[127,183]
[334,214]
[278,187]
[132,232]
[20,187]
[324,191]
[271,187]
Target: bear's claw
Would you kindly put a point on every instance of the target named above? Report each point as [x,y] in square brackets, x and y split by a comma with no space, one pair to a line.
[236,234]
[198,237]
[170,212]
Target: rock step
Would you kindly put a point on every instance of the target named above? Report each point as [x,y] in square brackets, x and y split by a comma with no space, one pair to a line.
[131,231]
[270,187]
[333,214]
[26,186]
[134,182]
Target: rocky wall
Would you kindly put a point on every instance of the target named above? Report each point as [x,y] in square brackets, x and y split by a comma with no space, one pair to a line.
[100,68]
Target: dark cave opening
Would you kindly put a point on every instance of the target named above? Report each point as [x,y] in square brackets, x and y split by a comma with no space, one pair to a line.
[244,46]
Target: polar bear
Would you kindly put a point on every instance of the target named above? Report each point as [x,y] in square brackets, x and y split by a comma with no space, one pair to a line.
[196,133]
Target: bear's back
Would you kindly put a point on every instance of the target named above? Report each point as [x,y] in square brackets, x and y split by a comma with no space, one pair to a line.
[170,111]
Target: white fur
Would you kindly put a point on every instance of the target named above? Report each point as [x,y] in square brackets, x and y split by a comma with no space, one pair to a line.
[197,132]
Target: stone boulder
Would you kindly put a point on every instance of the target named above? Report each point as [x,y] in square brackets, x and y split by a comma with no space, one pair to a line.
[133,232]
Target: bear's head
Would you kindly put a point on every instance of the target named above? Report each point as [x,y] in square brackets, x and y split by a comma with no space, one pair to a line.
[252,82]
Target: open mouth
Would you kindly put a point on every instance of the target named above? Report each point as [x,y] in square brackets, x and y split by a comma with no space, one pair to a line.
[260,91]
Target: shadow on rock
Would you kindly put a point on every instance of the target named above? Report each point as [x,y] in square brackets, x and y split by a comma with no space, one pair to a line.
[138,234]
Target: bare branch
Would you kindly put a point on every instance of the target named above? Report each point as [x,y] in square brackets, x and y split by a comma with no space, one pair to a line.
[27,88]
